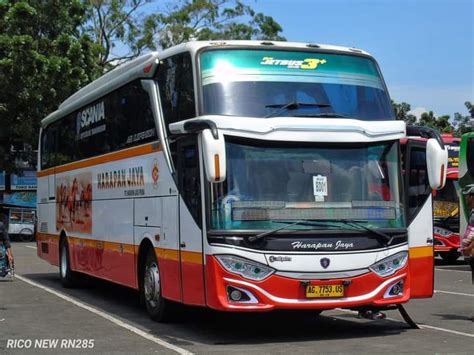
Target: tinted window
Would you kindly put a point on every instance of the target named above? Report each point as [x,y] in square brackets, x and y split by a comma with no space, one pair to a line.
[131,118]
[66,145]
[258,83]
[189,177]
[175,80]
[122,119]
[48,147]
[418,184]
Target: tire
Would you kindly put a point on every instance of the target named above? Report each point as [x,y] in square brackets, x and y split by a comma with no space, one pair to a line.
[451,256]
[158,308]
[26,235]
[69,278]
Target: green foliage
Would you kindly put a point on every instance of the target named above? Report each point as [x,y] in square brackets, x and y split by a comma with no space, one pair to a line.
[112,23]
[215,20]
[459,125]
[440,123]
[464,123]
[118,24]
[401,112]
[44,58]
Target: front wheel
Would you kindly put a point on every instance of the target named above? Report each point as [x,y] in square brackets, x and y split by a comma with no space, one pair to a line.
[68,277]
[156,305]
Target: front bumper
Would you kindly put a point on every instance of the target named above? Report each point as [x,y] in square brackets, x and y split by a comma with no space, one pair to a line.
[446,244]
[278,292]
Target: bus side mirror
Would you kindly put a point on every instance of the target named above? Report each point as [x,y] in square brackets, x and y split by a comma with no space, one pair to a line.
[214,155]
[436,163]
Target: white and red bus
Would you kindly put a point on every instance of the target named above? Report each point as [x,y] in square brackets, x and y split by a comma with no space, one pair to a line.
[241,176]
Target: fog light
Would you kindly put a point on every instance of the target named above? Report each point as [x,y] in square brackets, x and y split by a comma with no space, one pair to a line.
[235,295]
[394,290]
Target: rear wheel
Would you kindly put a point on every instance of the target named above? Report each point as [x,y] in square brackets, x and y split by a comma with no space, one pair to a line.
[156,305]
[451,256]
[69,278]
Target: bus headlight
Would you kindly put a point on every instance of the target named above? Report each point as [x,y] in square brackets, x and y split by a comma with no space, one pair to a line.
[249,269]
[389,265]
[442,232]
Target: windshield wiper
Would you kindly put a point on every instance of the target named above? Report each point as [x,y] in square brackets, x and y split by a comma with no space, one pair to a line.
[382,237]
[254,238]
[325,114]
[385,239]
[292,106]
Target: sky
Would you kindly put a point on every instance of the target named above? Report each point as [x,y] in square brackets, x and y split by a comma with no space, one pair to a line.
[424,47]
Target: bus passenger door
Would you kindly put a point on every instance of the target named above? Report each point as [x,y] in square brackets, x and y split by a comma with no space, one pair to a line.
[190,228]
[420,220]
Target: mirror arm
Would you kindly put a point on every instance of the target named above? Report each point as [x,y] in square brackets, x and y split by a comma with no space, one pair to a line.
[200,125]
[425,132]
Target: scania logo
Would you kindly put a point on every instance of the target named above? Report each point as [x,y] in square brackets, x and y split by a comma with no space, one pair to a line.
[325,262]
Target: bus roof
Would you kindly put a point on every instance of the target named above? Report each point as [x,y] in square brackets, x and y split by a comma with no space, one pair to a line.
[145,65]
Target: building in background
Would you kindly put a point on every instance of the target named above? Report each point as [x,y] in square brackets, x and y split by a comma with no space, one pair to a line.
[18,199]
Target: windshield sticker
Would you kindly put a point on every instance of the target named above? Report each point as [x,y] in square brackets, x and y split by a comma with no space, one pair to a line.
[237,65]
[320,187]
[308,63]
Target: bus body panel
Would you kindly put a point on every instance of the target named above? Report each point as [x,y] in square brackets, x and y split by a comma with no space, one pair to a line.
[421,252]
[192,262]
[168,252]
[102,230]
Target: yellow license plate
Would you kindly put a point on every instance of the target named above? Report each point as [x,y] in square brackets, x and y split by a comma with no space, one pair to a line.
[315,291]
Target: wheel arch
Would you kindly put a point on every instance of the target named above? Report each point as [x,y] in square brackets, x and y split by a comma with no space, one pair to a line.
[145,245]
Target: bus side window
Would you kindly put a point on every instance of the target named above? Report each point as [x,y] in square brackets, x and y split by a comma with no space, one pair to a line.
[48,147]
[188,176]
[175,80]
[131,119]
[66,144]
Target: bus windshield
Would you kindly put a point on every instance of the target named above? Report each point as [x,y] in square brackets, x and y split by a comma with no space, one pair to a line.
[445,201]
[263,83]
[271,183]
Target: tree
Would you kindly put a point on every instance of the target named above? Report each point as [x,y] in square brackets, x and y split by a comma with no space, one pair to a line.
[43,59]
[118,24]
[464,123]
[402,112]
[215,20]
[440,123]
[112,23]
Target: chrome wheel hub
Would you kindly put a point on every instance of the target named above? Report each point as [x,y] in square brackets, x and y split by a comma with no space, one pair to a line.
[151,283]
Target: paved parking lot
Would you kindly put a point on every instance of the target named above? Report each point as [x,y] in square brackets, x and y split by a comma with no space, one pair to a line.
[103,317]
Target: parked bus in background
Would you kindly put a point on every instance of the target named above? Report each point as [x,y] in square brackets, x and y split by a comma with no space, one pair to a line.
[241,176]
[466,180]
[446,206]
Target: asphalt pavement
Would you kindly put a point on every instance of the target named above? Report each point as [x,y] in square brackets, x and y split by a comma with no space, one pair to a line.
[37,315]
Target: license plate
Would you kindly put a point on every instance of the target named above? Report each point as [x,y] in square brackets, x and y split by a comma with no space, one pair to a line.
[316,291]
